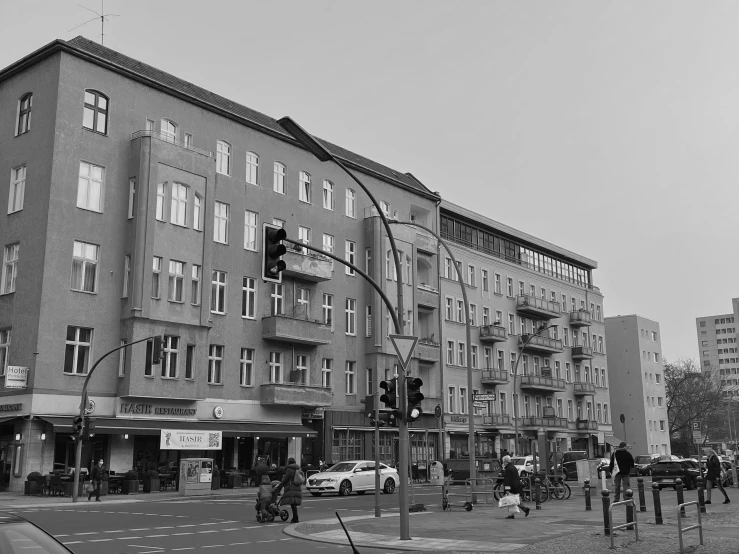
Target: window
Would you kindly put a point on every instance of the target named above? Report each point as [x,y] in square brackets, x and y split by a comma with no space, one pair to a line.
[497,283]
[326,367]
[302,372]
[188,140]
[452,399]
[328,195]
[4,349]
[498,317]
[251,220]
[461,354]
[658,377]
[77,352]
[460,311]
[597,313]
[473,315]
[568,375]
[24,114]
[511,324]
[385,207]
[223,158]
[703,324]
[462,400]
[659,401]
[484,279]
[248,298]
[350,376]
[176,280]
[600,345]
[473,356]
[277,295]
[501,360]
[280,176]
[95,116]
[131,197]
[351,203]
[220,225]
[156,271]
[656,357]
[215,362]
[450,352]
[160,202]
[328,244]
[246,374]
[605,413]
[169,362]
[84,266]
[304,187]
[196,210]
[126,275]
[90,187]
[195,285]
[471,276]
[569,411]
[350,255]
[169,131]
[275,367]
[10,269]
[17,189]
[304,237]
[351,316]
[368,320]
[449,308]
[149,124]
[486,316]
[509,287]
[122,355]
[252,168]
[178,213]
[218,292]
[304,300]
[328,309]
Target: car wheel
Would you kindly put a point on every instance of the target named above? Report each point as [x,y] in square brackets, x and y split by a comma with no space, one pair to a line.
[345,489]
[361,492]
[389,487]
[316,493]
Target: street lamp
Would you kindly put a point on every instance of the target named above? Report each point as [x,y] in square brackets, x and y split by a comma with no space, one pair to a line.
[515,373]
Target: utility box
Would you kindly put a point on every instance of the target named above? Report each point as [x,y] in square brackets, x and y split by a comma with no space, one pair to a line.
[196,475]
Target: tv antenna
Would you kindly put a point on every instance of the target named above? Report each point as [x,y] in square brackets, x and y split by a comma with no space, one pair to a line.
[103,17]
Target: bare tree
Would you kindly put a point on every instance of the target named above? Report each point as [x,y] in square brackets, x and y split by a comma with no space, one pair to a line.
[692,395]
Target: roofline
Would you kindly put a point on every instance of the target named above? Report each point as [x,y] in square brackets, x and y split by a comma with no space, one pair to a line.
[553,248]
[631,315]
[59,45]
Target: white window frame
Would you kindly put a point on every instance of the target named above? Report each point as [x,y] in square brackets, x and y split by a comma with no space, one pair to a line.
[220,224]
[327,366]
[246,367]
[223,157]
[328,195]
[304,187]
[275,367]
[170,366]
[168,130]
[156,277]
[277,295]
[197,210]
[251,233]
[248,298]
[350,255]
[178,211]
[218,284]
[351,203]
[463,400]
[327,308]
[85,260]
[17,189]
[215,364]
[77,343]
[5,336]
[350,376]
[9,276]
[350,319]
[279,177]
[302,369]
[252,168]
[131,197]
[126,274]
[161,202]
[176,281]
[88,184]
[196,277]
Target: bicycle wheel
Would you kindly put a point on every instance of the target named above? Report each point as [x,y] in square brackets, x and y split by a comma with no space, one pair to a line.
[568,491]
[557,491]
[498,491]
[543,493]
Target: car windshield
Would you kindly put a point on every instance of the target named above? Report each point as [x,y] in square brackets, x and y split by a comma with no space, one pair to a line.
[518,461]
[342,467]
[17,537]
[643,459]
[670,466]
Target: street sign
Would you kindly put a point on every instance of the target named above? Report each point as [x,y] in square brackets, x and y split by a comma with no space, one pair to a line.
[404,346]
[478,404]
[483,398]
[697,431]
[437,411]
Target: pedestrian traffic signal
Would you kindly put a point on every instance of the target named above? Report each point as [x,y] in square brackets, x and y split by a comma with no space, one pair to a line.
[390,398]
[415,396]
[157,350]
[78,426]
[272,250]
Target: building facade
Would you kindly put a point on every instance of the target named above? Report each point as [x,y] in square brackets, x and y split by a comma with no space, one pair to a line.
[637,383]
[718,347]
[135,208]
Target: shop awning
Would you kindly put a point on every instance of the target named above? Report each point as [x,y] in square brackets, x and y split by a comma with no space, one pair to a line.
[106,426]
[4,420]
[613,441]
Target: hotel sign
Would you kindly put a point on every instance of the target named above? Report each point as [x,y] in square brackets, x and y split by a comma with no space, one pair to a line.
[175,439]
[10,407]
[138,408]
[16,377]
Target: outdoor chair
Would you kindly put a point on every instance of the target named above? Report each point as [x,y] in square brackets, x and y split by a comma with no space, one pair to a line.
[56,485]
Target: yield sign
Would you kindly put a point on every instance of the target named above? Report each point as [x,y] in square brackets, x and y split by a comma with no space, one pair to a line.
[404,346]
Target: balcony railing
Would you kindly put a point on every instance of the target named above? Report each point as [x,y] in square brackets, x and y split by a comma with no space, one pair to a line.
[307,265]
[584,388]
[581,318]
[538,307]
[164,137]
[495,376]
[537,343]
[427,296]
[427,350]
[542,383]
[294,394]
[545,422]
[586,425]
[582,353]
[296,328]
[493,333]
[496,420]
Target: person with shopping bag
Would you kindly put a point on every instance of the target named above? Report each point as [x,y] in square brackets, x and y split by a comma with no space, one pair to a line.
[512,486]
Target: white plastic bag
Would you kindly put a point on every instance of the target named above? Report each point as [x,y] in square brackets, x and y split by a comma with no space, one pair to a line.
[509,500]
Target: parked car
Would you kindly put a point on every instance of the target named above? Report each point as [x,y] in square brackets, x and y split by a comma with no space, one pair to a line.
[568,465]
[20,535]
[524,464]
[356,475]
[644,463]
[459,468]
[665,472]
[603,465]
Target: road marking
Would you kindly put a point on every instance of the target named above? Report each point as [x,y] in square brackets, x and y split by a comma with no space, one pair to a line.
[141,529]
[61,535]
[209,531]
[254,527]
[188,525]
[169,527]
[88,533]
[231,529]
[99,540]
[128,539]
[113,531]
[184,533]
[185,548]
[154,536]
[238,543]
[273,540]
[73,542]
[214,546]
[148,546]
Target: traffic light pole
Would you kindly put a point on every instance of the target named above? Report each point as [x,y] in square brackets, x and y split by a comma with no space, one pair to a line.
[83,407]
[378,512]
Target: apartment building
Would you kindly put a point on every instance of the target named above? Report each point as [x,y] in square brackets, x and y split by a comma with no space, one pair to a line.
[718,347]
[637,383]
[135,207]
[516,283]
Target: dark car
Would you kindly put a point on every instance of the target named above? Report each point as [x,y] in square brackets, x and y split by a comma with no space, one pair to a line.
[20,535]
[643,463]
[568,465]
[459,468]
[666,472]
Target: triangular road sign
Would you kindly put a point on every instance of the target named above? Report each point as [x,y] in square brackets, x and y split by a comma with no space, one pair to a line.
[404,346]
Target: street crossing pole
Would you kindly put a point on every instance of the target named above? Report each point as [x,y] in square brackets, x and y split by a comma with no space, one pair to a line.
[378,513]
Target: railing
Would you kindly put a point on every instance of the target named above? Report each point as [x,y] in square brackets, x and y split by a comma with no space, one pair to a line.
[428,288]
[586,424]
[537,340]
[581,316]
[584,388]
[429,342]
[165,137]
[494,374]
[297,312]
[296,384]
[496,420]
[297,249]
[526,300]
[536,381]
[582,351]
[493,331]
[544,422]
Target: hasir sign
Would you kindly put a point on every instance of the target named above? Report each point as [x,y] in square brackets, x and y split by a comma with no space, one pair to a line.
[175,439]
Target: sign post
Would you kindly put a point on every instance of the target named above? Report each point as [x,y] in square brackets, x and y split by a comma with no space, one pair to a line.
[404,347]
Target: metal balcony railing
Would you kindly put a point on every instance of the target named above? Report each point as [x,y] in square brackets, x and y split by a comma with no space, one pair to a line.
[495,375]
[584,388]
[165,137]
[496,420]
[495,333]
[586,425]
[540,306]
[580,318]
[540,382]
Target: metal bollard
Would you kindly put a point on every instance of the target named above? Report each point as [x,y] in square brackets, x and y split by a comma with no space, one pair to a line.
[642,500]
[657,504]
[629,495]
[701,494]
[680,495]
[586,490]
[606,506]
[537,491]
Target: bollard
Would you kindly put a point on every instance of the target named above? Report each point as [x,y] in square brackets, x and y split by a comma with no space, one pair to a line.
[701,494]
[680,496]
[537,497]
[586,490]
[642,500]
[629,495]
[657,504]
[606,505]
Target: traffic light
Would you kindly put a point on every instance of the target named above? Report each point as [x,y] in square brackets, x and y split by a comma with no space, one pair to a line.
[390,398]
[157,350]
[89,427]
[78,427]
[415,396]
[272,249]
[387,417]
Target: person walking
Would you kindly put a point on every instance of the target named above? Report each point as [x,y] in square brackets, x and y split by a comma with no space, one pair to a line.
[97,481]
[620,467]
[261,470]
[512,483]
[293,494]
[713,475]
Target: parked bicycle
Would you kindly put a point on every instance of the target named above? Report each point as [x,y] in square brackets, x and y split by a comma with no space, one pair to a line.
[526,490]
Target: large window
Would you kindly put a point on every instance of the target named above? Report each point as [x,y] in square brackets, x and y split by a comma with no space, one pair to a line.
[197,208]
[24,114]
[251,220]
[4,349]
[178,214]
[77,353]
[10,268]
[169,130]
[347,445]
[215,363]
[249,298]
[351,203]
[159,214]
[95,116]
[195,285]
[176,281]
[223,158]
[218,292]
[350,255]
[252,168]
[90,187]
[156,273]
[351,316]
[326,368]
[328,195]
[304,187]
[328,309]
[220,224]
[351,377]
[17,189]
[246,376]
[278,298]
[169,362]
[275,367]
[84,267]
[280,176]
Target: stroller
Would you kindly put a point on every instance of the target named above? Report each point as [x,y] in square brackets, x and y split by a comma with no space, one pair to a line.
[273,507]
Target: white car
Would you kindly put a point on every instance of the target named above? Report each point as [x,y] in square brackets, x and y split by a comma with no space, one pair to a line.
[356,475]
[524,464]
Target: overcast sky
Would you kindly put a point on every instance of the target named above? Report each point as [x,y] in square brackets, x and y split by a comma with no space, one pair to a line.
[608,128]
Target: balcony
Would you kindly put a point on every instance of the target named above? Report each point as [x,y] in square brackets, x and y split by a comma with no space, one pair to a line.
[582,353]
[496,420]
[586,425]
[295,329]
[427,351]
[541,383]
[543,345]
[493,333]
[545,422]
[581,318]
[537,307]
[425,242]
[294,394]
[308,266]
[492,376]
[583,389]
[427,297]
[164,137]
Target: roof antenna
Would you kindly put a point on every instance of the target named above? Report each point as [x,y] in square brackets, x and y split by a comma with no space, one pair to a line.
[103,17]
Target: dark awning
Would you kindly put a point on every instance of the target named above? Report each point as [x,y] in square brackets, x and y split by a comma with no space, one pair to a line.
[4,420]
[110,425]
[613,441]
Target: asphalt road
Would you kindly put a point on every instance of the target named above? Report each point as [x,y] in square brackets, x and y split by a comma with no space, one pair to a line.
[192,525]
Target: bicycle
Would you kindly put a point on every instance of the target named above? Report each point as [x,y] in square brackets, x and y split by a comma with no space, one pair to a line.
[559,490]
[527,490]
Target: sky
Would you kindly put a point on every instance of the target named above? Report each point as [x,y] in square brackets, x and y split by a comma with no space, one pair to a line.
[607,128]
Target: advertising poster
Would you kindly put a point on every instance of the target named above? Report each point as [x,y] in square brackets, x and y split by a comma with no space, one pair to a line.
[206,472]
[191,471]
[177,439]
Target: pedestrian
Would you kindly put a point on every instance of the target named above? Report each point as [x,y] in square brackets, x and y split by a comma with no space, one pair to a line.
[512,483]
[260,470]
[293,492]
[713,475]
[97,481]
[620,467]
